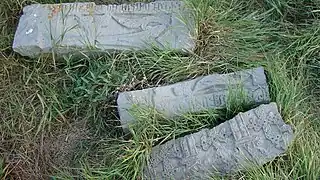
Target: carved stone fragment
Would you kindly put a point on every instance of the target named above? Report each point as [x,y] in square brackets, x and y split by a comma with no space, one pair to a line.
[249,139]
[70,27]
[196,95]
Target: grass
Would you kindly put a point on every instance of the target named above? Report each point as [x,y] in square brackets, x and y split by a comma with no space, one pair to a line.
[59,118]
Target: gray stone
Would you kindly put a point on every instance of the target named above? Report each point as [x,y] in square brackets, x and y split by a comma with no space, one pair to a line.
[196,95]
[248,140]
[70,27]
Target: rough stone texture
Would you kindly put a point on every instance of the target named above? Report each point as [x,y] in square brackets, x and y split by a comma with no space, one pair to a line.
[251,138]
[70,27]
[196,95]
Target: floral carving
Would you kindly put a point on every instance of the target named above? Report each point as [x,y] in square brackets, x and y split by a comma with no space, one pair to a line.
[272,118]
[205,142]
[253,124]
[244,140]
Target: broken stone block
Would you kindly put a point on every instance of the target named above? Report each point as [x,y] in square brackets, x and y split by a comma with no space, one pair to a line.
[248,140]
[196,95]
[87,27]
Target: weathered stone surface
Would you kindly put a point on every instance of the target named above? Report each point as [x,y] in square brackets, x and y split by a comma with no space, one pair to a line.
[70,27]
[249,139]
[196,95]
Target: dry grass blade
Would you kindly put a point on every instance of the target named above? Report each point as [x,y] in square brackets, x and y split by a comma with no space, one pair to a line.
[59,118]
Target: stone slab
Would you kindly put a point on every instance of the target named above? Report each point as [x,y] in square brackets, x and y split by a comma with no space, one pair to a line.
[249,139]
[196,95]
[70,27]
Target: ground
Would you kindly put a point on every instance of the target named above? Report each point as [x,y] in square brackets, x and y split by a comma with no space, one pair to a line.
[58,116]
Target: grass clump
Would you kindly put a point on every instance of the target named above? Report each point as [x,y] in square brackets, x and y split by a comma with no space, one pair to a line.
[126,158]
[59,117]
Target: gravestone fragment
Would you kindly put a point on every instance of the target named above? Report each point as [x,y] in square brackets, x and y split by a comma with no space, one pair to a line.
[196,95]
[70,27]
[248,140]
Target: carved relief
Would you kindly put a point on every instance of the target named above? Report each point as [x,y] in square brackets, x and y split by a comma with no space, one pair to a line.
[221,135]
[154,6]
[258,143]
[208,92]
[253,123]
[256,149]
[272,118]
[229,147]
[131,29]
[108,28]
[286,129]
[205,142]
[274,137]
[260,114]
[260,94]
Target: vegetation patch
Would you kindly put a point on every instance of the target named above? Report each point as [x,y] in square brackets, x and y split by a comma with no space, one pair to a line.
[59,119]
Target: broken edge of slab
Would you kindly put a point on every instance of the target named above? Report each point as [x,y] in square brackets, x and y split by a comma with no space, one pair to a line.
[250,139]
[210,91]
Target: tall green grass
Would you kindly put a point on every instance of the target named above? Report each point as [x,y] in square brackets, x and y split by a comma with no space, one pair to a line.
[43,100]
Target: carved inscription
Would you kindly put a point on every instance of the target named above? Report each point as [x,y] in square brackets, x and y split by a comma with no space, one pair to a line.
[69,27]
[197,95]
[153,6]
[69,7]
[227,148]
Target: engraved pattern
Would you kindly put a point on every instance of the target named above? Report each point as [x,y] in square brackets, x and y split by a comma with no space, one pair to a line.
[208,92]
[132,29]
[67,27]
[253,123]
[253,137]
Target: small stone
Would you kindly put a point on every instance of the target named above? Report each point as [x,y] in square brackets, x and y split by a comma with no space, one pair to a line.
[87,27]
[248,140]
[202,93]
